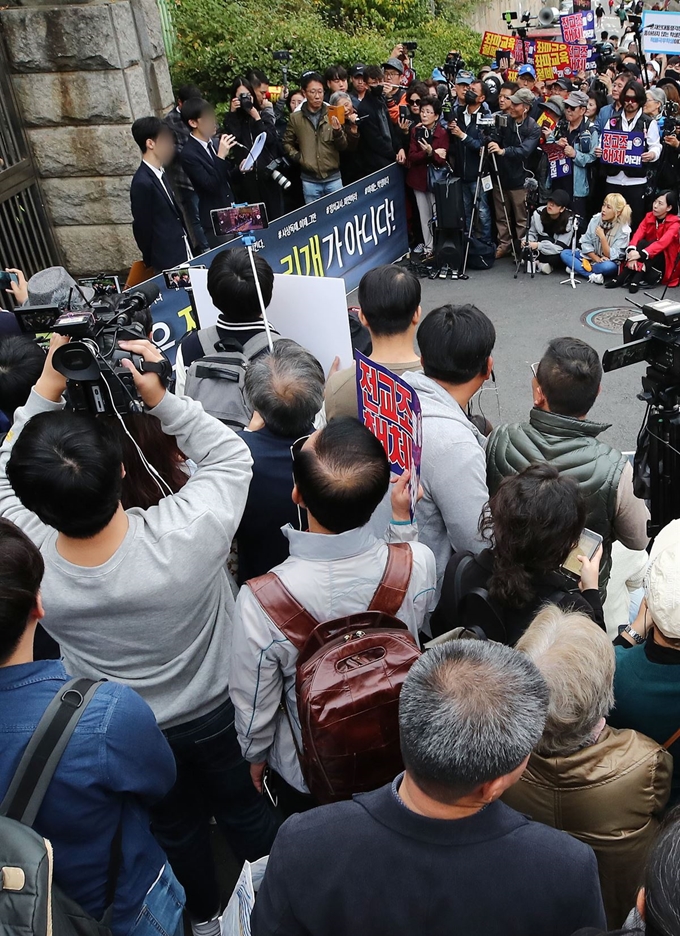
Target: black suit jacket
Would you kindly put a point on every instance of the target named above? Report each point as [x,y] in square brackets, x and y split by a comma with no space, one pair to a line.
[157,222]
[210,179]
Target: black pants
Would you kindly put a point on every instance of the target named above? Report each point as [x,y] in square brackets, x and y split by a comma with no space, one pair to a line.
[635,196]
[653,271]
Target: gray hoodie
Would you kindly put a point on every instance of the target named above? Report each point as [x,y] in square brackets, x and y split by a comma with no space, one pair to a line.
[453,474]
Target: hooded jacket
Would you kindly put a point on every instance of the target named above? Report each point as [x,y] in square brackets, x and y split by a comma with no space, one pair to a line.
[609,795]
[453,475]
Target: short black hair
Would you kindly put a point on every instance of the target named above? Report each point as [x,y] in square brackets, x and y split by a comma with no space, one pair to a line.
[257,77]
[309,77]
[509,86]
[66,468]
[389,296]
[434,103]
[335,73]
[239,82]
[21,572]
[195,108]
[231,285]
[187,91]
[21,363]
[569,374]
[374,72]
[343,476]
[671,200]
[455,343]
[148,128]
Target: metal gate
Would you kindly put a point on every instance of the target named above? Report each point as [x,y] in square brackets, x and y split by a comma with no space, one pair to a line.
[26,239]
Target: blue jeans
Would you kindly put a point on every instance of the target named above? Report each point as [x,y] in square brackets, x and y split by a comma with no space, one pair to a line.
[213,779]
[161,913]
[482,212]
[319,187]
[606,268]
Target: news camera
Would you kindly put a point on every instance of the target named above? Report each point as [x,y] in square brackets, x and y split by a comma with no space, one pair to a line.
[96,379]
[453,64]
[490,126]
[653,336]
[273,169]
[670,114]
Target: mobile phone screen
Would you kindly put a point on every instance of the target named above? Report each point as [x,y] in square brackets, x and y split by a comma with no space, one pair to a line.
[240,219]
[587,546]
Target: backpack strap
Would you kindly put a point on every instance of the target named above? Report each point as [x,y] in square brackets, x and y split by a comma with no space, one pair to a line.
[391,591]
[671,741]
[285,611]
[256,345]
[208,337]
[42,755]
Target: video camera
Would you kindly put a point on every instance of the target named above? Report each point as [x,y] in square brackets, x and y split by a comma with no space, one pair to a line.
[96,380]
[652,335]
[490,126]
[605,57]
[670,113]
[453,64]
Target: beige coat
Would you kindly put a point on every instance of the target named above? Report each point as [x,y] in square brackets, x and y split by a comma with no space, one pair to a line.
[610,796]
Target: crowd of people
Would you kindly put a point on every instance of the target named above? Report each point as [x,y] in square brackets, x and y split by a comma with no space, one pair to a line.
[498,124]
[269,631]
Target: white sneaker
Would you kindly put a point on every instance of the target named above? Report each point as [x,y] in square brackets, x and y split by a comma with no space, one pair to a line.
[208,928]
[596,278]
[545,268]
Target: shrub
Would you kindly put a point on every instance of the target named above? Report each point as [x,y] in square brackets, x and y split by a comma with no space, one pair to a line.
[215,40]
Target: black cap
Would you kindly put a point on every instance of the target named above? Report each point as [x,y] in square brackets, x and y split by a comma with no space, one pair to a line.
[560,197]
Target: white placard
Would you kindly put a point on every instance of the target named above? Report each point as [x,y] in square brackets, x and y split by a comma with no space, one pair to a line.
[661,32]
[311,310]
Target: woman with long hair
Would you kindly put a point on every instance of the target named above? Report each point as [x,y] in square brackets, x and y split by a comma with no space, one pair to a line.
[532,523]
[652,255]
[603,246]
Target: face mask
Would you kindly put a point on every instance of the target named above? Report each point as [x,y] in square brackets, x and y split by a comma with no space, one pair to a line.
[470,97]
[377,90]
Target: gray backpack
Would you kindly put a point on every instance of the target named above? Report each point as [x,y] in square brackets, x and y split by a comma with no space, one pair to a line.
[217,380]
[30,903]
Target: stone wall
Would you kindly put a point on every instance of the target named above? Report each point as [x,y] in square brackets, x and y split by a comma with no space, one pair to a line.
[82,73]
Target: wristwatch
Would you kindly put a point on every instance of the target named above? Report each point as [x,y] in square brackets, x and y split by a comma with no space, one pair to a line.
[638,638]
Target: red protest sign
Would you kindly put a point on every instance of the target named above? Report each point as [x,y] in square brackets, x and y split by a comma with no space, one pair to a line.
[492,42]
[552,60]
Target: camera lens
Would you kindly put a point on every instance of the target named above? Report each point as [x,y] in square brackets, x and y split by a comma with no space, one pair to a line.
[76,359]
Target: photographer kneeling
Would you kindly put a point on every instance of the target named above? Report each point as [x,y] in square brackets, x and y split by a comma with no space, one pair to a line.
[516,143]
[142,597]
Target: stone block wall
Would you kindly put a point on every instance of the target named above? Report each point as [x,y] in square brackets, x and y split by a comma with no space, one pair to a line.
[82,73]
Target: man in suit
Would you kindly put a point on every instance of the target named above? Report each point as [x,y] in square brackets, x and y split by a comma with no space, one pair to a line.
[181,185]
[157,221]
[206,166]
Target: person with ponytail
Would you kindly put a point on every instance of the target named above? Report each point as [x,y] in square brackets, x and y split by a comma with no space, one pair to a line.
[603,246]
[532,523]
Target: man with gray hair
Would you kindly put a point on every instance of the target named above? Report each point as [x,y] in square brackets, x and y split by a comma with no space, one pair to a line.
[285,390]
[436,850]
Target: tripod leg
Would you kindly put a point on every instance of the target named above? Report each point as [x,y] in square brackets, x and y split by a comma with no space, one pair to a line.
[480,171]
[505,208]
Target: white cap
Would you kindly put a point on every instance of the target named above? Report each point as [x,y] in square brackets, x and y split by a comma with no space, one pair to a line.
[662,581]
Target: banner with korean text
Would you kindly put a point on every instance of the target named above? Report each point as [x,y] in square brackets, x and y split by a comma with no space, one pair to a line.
[661,32]
[622,149]
[341,235]
[493,42]
[552,60]
[578,26]
[390,408]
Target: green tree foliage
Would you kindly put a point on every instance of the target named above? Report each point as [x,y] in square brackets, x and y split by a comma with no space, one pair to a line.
[216,40]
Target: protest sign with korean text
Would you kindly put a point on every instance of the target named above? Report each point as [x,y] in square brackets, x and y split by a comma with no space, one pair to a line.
[582,58]
[661,32]
[559,164]
[622,149]
[390,408]
[341,235]
[577,26]
[493,42]
[552,60]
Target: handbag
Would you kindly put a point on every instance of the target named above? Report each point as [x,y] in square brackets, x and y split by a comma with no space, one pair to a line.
[437,174]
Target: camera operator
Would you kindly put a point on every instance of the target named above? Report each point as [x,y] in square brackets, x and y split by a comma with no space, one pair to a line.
[142,597]
[245,122]
[578,138]
[466,142]
[516,143]
[631,181]
[381,141]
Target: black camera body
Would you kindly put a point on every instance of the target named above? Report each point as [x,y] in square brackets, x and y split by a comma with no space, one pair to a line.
[282,55]
[273,169]
[410,47]
[670,117]
[491,125]
[453,64]
[652,335]
[96,380]
[246,102]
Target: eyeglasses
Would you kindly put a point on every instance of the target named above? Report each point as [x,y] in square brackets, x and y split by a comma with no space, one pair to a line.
[534,368]
[297,445]
[571,107]
[630,100]
[414,101]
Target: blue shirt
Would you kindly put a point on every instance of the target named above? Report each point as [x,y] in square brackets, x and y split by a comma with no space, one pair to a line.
[116,763]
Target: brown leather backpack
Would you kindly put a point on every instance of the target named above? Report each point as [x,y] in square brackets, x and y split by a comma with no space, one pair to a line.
[349,676]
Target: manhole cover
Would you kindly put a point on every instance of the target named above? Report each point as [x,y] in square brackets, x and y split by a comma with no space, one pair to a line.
[608,320]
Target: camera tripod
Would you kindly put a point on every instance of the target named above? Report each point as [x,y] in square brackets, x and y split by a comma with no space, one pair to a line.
[574,238]
[527,256]
[657,457]
[480,185]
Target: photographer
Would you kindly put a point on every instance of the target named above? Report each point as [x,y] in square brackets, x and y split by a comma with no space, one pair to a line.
[428,146]
[516,143]
[245,122]
[381,140]
[551,230]
[142,597]
[466,142]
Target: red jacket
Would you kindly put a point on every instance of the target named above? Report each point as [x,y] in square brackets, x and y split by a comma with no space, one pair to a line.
[416,177]
[665,239]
